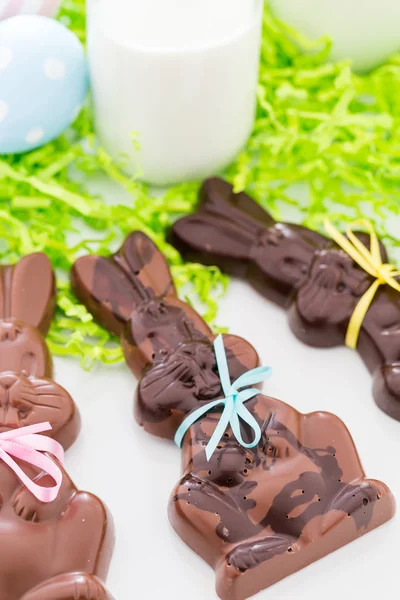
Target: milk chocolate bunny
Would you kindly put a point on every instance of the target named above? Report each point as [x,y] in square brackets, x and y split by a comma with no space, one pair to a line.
[258,515]
[298,495]
[132,295]
[302,271]
[60,550]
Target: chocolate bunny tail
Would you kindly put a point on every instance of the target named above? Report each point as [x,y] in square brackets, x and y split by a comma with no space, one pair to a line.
[111,288]
[223,230]
[28,292]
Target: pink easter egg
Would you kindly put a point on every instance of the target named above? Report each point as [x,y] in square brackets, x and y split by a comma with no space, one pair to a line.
[10,8]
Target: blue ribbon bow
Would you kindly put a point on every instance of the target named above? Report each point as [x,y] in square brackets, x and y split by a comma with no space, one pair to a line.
[234,404]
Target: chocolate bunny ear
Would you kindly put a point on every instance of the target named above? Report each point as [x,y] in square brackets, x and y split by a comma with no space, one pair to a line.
[224,229]
[216,194]
[213,240]
[29,294]
[111,288]
[140,257]
[2,292]
[105,289]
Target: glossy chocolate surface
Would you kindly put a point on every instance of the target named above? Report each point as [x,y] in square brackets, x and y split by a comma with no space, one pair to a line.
[257,516]
[60,550]
[165,342]
[302,271]
[254,515]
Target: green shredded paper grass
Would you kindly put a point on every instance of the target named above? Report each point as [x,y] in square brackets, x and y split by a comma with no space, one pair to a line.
[320,129]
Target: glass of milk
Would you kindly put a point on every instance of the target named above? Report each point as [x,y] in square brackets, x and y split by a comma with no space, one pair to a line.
[180,76]
[365,31]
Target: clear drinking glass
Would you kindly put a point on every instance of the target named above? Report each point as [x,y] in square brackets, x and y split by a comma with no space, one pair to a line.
[181,75]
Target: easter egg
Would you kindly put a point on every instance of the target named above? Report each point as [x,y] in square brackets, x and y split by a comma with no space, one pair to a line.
[43,81]
[11,8]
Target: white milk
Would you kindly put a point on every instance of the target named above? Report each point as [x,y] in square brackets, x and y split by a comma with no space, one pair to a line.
[182,74]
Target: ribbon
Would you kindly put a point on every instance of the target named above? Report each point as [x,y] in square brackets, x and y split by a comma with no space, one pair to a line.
[233,402]
[371,262]
[25,444]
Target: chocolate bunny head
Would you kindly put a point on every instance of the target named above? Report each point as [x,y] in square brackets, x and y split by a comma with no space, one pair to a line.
[132,294]
[27,303]
[27,396]
[326,300]
[258,515]
[185,379]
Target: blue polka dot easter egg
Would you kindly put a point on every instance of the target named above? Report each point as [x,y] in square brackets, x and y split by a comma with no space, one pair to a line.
[43,81]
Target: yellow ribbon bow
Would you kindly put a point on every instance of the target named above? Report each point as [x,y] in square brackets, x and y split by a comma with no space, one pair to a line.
[371,262]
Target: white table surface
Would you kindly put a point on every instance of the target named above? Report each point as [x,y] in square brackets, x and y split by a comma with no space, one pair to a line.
[135,473]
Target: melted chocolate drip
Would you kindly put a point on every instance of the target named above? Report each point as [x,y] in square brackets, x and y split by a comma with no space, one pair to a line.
[280,501]
[228,468]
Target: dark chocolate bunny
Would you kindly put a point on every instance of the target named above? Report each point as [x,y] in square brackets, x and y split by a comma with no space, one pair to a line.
[302,271]
[60,550]
[258,515]
[164,340]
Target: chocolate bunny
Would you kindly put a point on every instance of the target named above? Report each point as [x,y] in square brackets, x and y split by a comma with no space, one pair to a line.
[298,495]
[60,550]
[165,341]
[302,271]
[258,515]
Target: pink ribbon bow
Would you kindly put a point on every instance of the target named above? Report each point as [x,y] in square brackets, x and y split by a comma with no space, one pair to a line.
[25,444]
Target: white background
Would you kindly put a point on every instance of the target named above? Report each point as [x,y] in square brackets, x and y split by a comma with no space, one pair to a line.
[135,473]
